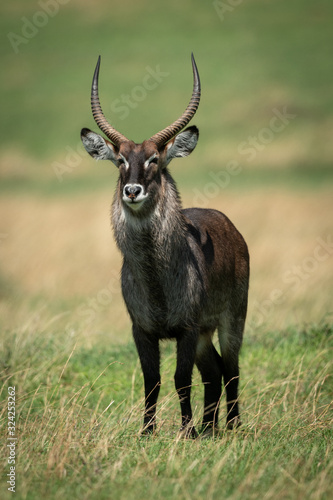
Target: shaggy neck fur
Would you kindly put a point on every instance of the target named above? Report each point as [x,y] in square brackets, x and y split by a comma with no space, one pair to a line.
[160,281]
[154,234]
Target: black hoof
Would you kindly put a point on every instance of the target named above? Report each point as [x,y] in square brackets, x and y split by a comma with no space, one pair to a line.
[147,431]
[234,423]
[208,431]
[188,432]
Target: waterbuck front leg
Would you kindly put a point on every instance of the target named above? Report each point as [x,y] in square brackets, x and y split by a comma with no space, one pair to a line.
[186,349]
[149,354]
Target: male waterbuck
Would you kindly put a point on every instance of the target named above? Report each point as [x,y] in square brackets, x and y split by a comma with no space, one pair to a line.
[185,272]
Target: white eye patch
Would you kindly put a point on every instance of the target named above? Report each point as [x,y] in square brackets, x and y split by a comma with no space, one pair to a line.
[147,162]
[124,160]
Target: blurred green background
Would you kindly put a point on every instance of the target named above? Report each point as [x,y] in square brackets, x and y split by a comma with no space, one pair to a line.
[256,58]
[253,56]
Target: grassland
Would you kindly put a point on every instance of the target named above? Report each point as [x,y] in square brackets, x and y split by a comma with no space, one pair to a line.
[64,333]
[79,411]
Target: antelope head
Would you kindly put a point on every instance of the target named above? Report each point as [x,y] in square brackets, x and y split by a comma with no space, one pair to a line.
[141,165]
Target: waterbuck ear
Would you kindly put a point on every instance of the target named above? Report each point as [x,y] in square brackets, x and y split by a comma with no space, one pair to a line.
[98,147]
[183,144]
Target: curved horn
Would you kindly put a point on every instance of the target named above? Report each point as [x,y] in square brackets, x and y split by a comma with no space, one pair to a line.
[165,135]
[96,109]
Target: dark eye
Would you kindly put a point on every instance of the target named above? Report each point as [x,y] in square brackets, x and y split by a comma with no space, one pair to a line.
[122,161]
[154,160]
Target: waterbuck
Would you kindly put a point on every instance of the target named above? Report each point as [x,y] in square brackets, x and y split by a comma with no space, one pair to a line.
[185,272]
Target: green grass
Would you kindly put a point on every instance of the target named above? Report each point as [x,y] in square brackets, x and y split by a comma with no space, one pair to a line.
[79,412]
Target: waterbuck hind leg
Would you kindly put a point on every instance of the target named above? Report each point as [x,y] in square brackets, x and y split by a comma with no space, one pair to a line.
[230,338]
[209,363]
[231,380]
[186,349]
[149,354]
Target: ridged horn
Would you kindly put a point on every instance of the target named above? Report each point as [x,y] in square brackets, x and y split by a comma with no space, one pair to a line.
[165,135]
[114,136]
